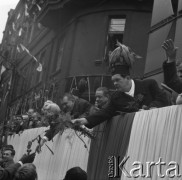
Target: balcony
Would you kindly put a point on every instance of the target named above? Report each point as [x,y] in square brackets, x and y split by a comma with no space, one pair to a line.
[144,136]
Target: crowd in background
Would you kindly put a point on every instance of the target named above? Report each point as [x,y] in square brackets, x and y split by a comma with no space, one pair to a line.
[69,103]
[19,123]
[24,169]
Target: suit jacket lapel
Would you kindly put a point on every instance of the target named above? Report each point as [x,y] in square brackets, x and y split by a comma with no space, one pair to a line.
[139,88]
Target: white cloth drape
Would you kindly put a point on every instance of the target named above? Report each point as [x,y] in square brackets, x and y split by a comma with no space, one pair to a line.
[69,151]
[156,134]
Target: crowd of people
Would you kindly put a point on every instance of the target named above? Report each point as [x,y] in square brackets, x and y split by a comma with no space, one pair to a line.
[9,170]
[24,169]
[131,95]
[18,123]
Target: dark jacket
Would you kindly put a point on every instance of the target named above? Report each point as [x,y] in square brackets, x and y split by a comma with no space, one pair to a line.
[8,173]
[81,108]
[6,162]
[170,77]
[147,92]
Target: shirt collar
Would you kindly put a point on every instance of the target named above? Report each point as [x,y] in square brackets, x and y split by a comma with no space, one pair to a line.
[132,90]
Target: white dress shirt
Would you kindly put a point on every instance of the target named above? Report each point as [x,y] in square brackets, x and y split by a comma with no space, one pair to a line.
[132,90]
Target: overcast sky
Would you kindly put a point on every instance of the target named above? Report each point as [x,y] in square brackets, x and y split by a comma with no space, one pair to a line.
[5,6]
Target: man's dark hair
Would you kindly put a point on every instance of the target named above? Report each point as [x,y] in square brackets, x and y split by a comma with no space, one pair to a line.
[26,172]
[104,90]
[76,173]
[125,76]
[9,148]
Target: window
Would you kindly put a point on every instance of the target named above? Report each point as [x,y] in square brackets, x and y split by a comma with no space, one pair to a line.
[115,33]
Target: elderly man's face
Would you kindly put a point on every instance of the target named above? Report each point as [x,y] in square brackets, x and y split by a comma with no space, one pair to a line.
[101,99]
[30,112]
[67,104]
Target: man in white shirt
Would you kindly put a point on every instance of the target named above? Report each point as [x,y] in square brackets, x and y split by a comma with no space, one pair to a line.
[130,95]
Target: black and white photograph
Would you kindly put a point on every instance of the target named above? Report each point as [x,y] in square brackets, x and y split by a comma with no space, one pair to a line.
[90,89]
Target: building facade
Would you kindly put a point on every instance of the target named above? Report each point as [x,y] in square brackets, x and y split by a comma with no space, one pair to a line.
[59,46]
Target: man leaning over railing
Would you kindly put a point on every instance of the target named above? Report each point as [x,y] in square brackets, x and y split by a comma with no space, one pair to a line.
[130,95]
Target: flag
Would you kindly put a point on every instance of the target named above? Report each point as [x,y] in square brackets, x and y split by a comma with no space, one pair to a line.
[18,49]
[18,16]
[3,69]
[35,58]
[39,68]
[39,25]
[39,8]
[13,25]
[26,10]
[22,47]
[25,49]
[20,32]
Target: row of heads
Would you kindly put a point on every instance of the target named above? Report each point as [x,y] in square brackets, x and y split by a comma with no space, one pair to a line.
[102,95]
[29,172]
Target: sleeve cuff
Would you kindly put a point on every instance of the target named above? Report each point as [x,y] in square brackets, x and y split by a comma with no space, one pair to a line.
[20,163]
[45,138]
[169,63]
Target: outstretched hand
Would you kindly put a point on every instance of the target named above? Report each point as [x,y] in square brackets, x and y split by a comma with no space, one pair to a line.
[179,99]
[170,50]
[27,158]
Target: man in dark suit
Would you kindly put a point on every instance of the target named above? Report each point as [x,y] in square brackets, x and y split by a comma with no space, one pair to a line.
[172,74]
[8,173]
[8,156]
[130,95]
[75,106]
[102,95]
